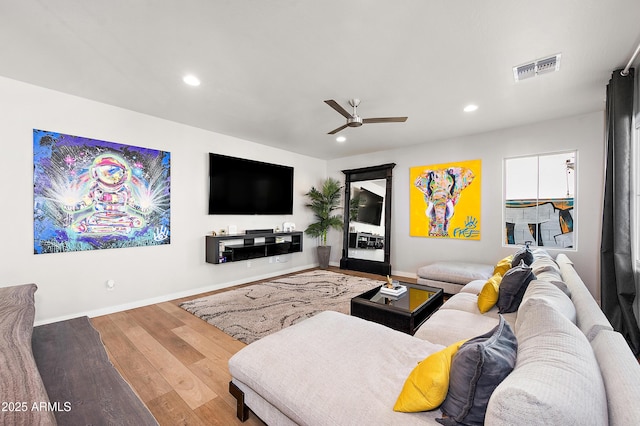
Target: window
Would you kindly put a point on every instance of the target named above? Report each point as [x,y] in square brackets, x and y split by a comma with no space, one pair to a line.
[539,200]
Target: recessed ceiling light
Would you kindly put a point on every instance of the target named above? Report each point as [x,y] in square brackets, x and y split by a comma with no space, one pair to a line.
[191,80]
[341,139]
[470,108]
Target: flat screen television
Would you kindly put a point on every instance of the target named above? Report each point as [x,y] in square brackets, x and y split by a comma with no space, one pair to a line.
[369,206]
[247,187]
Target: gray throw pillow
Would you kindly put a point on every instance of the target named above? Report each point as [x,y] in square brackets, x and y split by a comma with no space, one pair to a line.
[524,254]
[512,288]
[477,369]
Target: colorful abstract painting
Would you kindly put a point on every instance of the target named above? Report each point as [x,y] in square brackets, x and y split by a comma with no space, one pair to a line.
[90,194]
[444,200]
[543,222]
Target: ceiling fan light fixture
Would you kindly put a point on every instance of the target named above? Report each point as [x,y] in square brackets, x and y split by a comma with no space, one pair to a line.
[354,120]
[341,139]
[470,108]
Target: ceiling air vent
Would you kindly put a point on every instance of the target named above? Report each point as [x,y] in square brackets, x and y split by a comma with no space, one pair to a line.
[540,66]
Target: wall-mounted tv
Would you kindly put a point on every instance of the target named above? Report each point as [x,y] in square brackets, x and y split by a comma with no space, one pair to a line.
[369,206]
[246,187]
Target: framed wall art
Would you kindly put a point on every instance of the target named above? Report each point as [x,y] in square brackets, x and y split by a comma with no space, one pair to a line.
[91,194]
[445,200]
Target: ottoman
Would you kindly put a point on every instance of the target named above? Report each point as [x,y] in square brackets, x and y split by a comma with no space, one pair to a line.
[451,276]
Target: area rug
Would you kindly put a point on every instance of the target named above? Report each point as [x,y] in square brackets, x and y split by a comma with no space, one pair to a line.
[252,312]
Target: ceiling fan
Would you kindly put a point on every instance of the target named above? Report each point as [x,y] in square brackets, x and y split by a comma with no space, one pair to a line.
[354,120]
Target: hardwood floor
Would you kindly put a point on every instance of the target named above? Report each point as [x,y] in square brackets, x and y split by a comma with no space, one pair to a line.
[176,362]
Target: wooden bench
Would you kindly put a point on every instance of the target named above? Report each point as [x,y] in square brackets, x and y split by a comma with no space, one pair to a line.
[82,384]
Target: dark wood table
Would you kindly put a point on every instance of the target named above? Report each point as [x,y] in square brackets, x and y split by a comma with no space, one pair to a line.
[404,313]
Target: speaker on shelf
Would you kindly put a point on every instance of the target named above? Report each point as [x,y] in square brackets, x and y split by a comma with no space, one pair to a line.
[259,231]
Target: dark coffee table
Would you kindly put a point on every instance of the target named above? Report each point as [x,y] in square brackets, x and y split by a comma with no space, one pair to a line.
[404,313]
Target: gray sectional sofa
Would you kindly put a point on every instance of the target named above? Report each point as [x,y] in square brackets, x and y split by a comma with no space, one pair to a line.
[571,368]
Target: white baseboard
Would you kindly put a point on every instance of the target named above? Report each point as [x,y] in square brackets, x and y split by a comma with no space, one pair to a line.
[167,297]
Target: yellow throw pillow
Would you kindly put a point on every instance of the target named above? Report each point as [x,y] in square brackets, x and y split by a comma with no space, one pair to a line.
[503,265]
[488,296]
[427,385]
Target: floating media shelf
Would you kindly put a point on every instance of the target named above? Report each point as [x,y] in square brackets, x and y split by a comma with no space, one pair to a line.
[233,248]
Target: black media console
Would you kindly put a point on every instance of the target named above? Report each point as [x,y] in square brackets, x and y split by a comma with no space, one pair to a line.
[253,245]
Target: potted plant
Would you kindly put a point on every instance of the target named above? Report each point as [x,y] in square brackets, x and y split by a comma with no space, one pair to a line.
[323,203]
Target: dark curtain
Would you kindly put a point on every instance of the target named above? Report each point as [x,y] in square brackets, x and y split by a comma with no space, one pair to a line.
[618,288]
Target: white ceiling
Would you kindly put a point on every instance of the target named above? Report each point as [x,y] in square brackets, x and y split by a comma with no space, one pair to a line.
[267,66]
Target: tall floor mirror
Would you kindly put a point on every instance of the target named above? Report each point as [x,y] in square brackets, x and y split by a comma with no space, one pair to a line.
[367,219]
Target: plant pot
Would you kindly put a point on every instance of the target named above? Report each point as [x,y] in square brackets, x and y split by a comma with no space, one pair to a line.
[324,254]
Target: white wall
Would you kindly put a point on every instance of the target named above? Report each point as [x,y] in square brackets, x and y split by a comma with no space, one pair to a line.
[584,133]
[74,283]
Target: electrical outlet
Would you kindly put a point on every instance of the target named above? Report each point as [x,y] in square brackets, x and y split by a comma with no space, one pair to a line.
[110,285]
[277,259]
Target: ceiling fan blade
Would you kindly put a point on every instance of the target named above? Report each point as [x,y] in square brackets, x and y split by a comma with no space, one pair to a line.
[334,131]
[384,120]
[333,104]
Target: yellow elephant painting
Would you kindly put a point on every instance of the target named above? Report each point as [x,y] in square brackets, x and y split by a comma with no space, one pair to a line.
[445,200]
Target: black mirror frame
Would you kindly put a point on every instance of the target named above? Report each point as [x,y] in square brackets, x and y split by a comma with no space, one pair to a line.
[384,171]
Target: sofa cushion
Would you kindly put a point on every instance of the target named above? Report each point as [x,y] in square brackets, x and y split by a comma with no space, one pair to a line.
[488,296]
[589,317]
[469,303]
[523,255]
[357,367]
[427,385]
[477,369]
[555,279]
[21,381]
[455,272]
[544,264]
[473,287]
[621,376]
[556,379]
[539,252]
[546,269]
[512,288]
[553,295]
[447,326]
